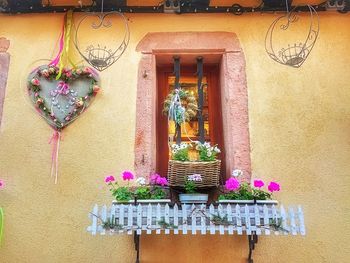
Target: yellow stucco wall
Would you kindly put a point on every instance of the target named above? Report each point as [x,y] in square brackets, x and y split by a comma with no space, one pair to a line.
[300,136]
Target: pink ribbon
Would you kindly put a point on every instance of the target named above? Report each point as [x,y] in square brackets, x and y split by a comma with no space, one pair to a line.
[64,88]
[56,60]
[55,142]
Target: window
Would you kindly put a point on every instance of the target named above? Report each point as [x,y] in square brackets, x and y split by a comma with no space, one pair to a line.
[212,116]
[219,48]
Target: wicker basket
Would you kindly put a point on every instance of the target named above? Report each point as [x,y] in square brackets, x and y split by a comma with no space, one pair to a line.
[179,171]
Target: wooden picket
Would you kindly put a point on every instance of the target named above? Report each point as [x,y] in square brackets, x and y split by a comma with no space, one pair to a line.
[228,219]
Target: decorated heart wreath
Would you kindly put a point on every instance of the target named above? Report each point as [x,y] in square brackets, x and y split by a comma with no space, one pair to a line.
[78,102]
[61,94]
[180,106]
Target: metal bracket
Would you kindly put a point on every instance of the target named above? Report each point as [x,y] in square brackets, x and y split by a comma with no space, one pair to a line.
[137,246]
[252,241]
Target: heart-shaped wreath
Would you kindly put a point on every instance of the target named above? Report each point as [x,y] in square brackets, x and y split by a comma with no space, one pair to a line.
[61,100]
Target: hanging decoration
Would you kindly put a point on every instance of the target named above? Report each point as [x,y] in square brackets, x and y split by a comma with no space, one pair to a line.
[60,94]
[295,53]
[180,106]
[97,54]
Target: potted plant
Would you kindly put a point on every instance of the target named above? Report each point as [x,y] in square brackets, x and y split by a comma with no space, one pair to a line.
[237,192]
[207,165]
[191,195]
[143,192]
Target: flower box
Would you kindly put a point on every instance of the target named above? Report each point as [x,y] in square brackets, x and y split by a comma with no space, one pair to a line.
[178,172]
[143,201]
[193,198]
[249,202]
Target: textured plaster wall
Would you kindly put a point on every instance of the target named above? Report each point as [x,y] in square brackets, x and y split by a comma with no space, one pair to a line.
[299,130]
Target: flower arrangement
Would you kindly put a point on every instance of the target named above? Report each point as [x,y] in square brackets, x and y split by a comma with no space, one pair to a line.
[207,152]
[235,190]
[180,152]
[180,106]
[155,189]
[190,184]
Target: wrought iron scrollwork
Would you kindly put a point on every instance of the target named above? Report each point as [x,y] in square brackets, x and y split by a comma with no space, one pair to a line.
[100,56]
[295,54]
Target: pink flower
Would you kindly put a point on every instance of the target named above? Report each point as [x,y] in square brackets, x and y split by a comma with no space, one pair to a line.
[127,175]
[87,70]
[68,74]
[232,184]
[39,101]
[35,82]
[259,183]
[154,178]
[109,179]
[274,187]
[161,181]
[2,184]
[96,88]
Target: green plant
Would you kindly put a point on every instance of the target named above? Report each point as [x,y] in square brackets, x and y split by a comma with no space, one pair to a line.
[190,187]
[142,192]
[219,220]
[261,195]
[166,225]
[158,193]
[122,193]
[180,152]
[243,193]
[190,184]
[207,152]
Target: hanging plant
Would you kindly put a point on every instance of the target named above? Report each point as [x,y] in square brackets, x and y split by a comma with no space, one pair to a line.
[180,106]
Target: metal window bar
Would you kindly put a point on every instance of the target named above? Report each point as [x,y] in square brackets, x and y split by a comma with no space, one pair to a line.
[177,87]
[200,99]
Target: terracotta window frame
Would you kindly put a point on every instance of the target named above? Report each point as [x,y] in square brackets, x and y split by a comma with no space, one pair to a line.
[220,47]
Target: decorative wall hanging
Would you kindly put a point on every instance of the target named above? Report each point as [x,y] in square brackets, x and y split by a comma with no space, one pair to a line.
[180,106]
[59,94]
[97,54]
[296,52]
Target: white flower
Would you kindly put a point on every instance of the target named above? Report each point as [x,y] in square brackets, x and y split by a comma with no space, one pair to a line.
[195,178]
[216,149]
[141,181]
[237,173]
[174,151]
[209,153]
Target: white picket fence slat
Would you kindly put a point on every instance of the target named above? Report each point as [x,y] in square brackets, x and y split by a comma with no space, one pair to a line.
[197,218]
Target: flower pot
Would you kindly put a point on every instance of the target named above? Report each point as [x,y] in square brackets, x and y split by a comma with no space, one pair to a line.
[179,171]
[142,201]
[249,202]
[267,202]
[193,198]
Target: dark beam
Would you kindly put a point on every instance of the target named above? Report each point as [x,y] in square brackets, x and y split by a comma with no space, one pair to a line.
[235,9]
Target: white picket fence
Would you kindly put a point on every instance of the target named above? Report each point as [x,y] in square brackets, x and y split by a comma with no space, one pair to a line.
[193,218]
